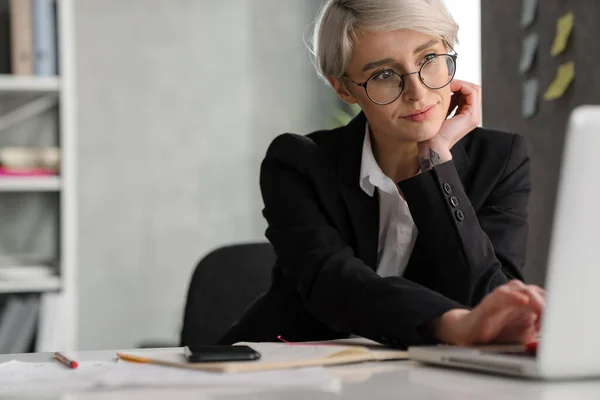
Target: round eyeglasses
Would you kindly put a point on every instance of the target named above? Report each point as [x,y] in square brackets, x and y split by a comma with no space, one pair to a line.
[386,86]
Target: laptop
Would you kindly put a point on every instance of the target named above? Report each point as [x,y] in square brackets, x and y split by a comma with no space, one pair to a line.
[569,346]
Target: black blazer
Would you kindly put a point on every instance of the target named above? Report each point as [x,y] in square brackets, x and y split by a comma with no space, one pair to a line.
[471,215]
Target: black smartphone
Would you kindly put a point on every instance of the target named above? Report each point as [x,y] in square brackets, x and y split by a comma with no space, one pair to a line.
[218,353]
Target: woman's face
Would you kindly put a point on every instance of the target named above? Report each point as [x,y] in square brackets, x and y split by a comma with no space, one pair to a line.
[419,112]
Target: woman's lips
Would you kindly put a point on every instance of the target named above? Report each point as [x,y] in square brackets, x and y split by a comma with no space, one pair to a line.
[420,116]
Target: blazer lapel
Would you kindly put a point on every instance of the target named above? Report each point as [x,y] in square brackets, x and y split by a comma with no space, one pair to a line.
[363,209]
[364,215]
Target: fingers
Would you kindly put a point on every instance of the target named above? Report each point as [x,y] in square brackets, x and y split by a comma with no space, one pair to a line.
[516,294]
[458,85]
[468,96]
[510,295]
[511,313]
[539,290]
[530,330]
[470,91]
[516,326]
[537,300]
[535,295]
[453,104]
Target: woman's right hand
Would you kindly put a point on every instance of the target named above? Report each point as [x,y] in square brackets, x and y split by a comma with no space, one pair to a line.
[510,314]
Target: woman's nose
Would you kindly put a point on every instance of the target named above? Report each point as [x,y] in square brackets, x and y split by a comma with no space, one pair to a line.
[414,89]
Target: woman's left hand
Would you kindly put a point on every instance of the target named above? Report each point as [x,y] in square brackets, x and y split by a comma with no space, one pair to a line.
[467,97]
[510,313]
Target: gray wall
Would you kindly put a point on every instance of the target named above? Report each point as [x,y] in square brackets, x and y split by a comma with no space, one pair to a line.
[177,100]
[501,51]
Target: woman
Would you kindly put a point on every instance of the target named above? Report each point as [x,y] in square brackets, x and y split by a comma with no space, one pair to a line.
[405,226]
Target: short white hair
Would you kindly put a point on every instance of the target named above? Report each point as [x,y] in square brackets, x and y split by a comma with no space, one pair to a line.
[338,22]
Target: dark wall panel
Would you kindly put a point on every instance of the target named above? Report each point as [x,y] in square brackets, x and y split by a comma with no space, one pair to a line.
[502,38]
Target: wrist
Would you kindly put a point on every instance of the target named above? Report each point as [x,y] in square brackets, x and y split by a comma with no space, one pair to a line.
[452,327]
[431,156]
[441,148]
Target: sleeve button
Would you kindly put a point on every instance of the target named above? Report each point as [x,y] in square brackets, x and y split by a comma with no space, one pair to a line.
[460,216]
[447,188]
[454,201]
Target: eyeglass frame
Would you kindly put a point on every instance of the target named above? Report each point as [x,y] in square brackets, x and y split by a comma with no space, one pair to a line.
[365,83]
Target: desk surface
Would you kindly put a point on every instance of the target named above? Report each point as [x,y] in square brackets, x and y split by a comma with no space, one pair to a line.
[398,380]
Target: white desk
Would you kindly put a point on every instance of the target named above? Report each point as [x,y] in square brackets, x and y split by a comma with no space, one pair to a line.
[397,380]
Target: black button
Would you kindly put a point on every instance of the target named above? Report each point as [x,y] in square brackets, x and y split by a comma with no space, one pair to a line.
[454,201]
[447,188]
[460,216]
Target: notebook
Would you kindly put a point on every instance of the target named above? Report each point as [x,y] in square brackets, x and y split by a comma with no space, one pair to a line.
[278,356]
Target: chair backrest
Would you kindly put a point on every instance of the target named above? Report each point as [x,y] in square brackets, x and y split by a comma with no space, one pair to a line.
[223,285]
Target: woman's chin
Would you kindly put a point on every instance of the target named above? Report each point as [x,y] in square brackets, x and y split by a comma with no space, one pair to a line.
[416,132]
[423,134]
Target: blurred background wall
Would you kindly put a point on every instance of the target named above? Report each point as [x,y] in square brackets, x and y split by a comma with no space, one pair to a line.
[178,101]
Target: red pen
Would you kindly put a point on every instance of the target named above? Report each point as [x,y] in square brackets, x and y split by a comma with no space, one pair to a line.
[65,361]
[532,347]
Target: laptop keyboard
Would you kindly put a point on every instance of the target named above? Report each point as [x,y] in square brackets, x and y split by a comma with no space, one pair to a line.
[525,354]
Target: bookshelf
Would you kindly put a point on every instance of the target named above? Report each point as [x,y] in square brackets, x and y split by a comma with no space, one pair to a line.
[56,324]
[41,285]
[31,84]
[34,184]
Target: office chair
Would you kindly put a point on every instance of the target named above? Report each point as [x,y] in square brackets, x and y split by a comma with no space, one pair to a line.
[223,285]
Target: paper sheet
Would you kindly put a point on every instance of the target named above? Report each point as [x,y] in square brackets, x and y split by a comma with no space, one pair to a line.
[528,13]
[564,26]
[134,374]
[564,76]
[530,97]
[44,377]
[530,46]
[280,352]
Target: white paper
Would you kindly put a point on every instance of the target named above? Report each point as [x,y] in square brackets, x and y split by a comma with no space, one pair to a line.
[43,377]
[282,352]
[135,374]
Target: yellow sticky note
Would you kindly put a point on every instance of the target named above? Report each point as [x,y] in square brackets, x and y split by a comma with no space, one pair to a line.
[564,76]
[564,26]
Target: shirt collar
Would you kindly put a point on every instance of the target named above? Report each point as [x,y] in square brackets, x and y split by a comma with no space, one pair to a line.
[371,175]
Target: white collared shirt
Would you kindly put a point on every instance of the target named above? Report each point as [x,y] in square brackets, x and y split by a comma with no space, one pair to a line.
[397,230]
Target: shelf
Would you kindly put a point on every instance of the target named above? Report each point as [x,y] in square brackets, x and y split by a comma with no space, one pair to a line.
[12,83]
[30,184]
[48,284]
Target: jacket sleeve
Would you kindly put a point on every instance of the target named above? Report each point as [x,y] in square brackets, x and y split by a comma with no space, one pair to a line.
[335,285]
[475,251]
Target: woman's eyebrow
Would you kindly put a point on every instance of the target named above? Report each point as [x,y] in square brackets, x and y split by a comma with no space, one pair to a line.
[375,64]
[378,63]
[425,45]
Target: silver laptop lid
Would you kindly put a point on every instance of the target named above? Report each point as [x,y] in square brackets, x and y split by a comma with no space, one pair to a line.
[571,325]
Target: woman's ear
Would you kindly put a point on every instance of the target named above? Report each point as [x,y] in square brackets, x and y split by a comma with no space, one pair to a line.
[339,85]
